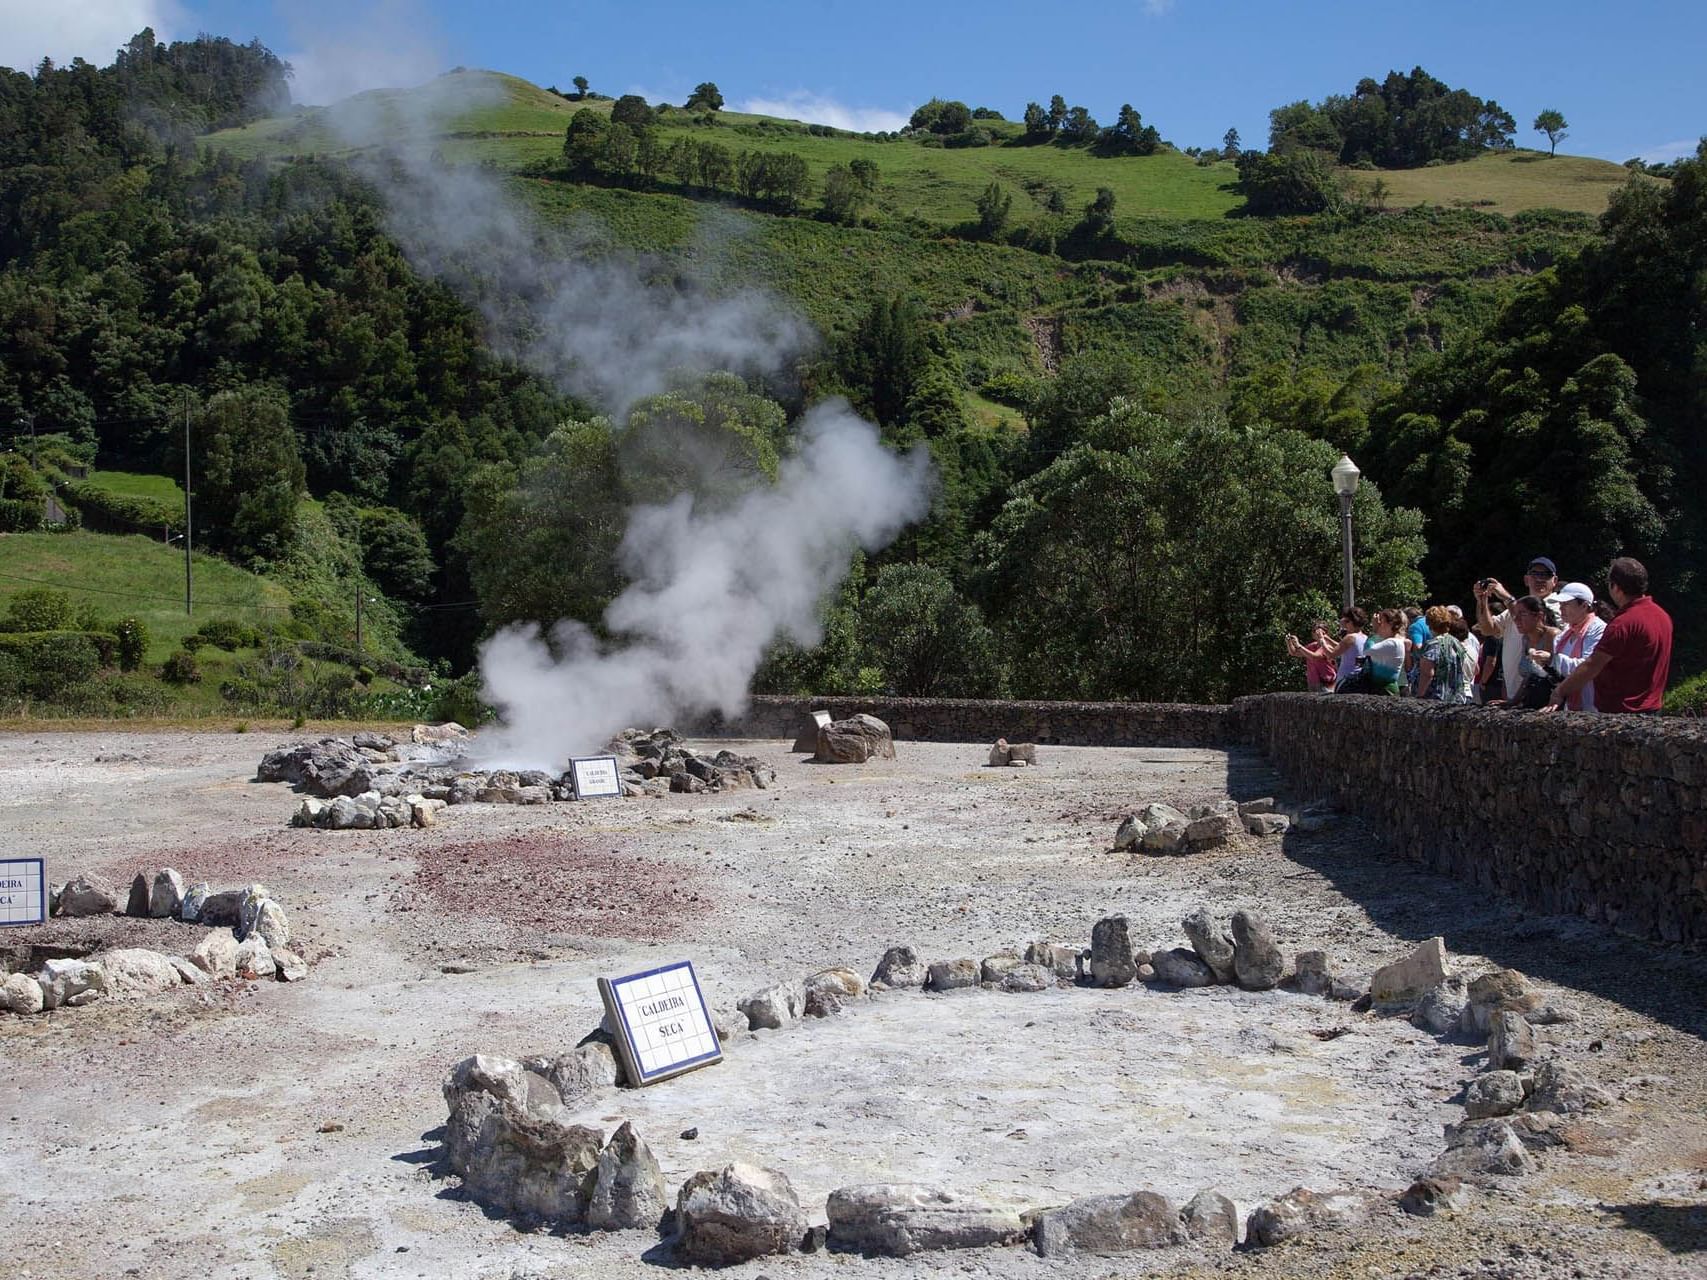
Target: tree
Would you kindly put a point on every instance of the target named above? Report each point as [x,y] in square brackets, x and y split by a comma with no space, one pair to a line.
[1099,213]
[1057,113]
[245,472]
[631,109]
[1038,127]
[621,151]
[1553,124]
[395,553]
[1285,182]
[584,142]
[942,117]
[845,196]
[711,438]
[926,640]
[1230,144]
[581,86]
[993,207]
[1080,126]
[705,97]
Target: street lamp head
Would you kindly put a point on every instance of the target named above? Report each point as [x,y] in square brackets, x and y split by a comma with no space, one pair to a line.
[1345,474]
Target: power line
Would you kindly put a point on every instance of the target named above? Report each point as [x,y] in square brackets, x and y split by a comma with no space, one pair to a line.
[131,595]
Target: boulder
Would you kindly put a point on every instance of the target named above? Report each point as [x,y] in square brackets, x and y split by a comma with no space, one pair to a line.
[1181,968]
[854,741]
[1561,1088]
[681,782]
[291,967]
[829,989]
[1488,1150]
[1442,1007]
[141,890]
[512,1160]
[627,1189]
[271,925]
[249,909]
[1511,1042]
[330,767]
[1407,979]
[583,1071]
[70,984]
[807,738]
[999,754]
[900,967]
[1022,753]
[1210,1217]
[1502,991]
[1209,831]
[188,973]
[20,993]
[774,1008]
[450,731]
[1063,961]
[216,955]
[952,975]
[1266,824]
[1428,1196]
[1493,1093]
[1024,978]
[1112,964]
[1164,829]
[993,968]
[1311,974]
[897,1220]
[424,810]
[736,1214]
[1211,942]
[1262,804]
[195,899]
[221,908]
[1257,962]
[254,959]
[135,972]
[1302,1212]
[1109,1224]
[84,897]
[1130,832]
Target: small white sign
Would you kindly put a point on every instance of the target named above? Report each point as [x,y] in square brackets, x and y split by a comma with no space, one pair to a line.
[595,776]
[23,891]
[662,1027]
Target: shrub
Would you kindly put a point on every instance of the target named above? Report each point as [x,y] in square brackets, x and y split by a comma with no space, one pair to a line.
[132,635]
[1688,697]
[193,642]
[228,634]
[39,609]
[21,515]
[460,700]
[181,668]
[45,663]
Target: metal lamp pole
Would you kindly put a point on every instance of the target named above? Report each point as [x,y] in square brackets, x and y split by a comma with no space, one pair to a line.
[1346,475]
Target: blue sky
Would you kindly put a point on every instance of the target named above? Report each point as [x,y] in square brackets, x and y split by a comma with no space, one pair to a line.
[1629,77]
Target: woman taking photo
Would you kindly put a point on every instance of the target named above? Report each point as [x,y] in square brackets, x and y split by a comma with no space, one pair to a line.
[1386,653]
[1319,662]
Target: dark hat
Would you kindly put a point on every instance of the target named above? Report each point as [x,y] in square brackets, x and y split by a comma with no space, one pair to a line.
[1545,563]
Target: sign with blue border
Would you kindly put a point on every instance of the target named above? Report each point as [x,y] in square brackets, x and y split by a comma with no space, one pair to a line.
[23,891]
[661,1023]
[595,777]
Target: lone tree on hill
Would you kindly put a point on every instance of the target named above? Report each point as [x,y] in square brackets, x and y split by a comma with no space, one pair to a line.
[581,86]
[705,97]
[993,207]
[1230,144]
[631,109]
[1553,124]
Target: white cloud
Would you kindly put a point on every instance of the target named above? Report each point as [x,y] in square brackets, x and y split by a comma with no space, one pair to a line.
[350,47]
[90,29]
[1670,151]
[815,108]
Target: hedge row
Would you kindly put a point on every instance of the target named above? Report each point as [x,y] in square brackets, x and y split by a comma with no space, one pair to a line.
[127,513]
[40,664]
[21,515]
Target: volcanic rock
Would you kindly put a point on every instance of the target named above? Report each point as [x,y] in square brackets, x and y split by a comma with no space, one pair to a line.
[1502,991]
[1422,970]
[1428,1196]
[1511,1042]
[71,983]
[952,975]
[1110,1224]
[1112,964]
[141,890]
[83,897]
[1181,968]
[1442,1007]
[900,967]
[736,1214]
[20,993]
[1561,1088]
[216,955]
[1061,960]
[854,741]
[1211,1217]
[1211,942]
[1129,833]
[899,1219]
[1257,961]
[1493,1093]
[775,1007]
[135,971]
[627,1185]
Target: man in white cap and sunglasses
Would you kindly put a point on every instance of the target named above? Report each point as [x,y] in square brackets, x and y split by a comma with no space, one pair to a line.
[1576,643]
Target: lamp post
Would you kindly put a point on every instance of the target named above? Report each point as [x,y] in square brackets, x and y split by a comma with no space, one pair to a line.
[1346,474]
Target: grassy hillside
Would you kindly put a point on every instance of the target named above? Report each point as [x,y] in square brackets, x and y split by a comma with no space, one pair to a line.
[1504,182]
[138,575]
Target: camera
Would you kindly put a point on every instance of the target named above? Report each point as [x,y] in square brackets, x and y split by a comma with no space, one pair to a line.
[1484,583]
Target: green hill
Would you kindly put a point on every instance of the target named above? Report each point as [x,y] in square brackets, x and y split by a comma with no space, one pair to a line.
[1503,182]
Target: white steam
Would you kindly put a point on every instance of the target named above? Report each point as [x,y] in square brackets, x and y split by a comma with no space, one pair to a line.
[709,593]
[711,589]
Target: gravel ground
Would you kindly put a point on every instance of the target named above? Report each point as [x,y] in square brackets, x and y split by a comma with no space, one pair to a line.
[266,1129]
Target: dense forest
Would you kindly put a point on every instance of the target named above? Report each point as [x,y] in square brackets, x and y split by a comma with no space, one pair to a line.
[1131,422]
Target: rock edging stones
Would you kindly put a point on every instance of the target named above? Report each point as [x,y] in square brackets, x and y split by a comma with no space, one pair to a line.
[248,938]
[365,783]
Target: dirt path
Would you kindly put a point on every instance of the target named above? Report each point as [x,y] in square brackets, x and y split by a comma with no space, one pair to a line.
[290,1130]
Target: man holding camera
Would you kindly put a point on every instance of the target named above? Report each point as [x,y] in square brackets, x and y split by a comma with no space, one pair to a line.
[1542,579]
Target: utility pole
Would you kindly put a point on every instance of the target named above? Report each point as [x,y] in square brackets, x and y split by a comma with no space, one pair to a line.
[188,582]
[358,617]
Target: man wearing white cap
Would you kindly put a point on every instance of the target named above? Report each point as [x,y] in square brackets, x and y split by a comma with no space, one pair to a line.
[1576,643]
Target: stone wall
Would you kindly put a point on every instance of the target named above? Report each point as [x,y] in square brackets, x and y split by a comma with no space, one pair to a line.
[1080,724]
[1602,816]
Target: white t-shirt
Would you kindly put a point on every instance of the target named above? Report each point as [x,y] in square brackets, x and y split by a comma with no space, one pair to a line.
[1388,654]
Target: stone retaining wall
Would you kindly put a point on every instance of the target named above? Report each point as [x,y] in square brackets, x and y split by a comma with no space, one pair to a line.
[1600,816]
[1604,817]
[1077,724]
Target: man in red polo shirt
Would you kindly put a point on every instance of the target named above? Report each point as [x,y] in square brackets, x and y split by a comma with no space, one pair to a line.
[1630,665]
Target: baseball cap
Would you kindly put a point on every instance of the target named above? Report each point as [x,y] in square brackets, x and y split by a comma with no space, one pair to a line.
[1454,611]
[1545,563]
[1576,591]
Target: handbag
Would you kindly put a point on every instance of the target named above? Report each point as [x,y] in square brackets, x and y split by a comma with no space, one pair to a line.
[1536,691]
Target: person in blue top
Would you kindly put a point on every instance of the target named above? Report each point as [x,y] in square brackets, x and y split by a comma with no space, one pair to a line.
[1417,636]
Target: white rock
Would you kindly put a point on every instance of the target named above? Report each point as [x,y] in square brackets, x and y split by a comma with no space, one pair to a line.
[774,1007]
[1422,970]
[21,993]
[133,972]
[899,1219]
[188,971]
[309,812]
[291,967]
[248,907]
[71,983]
[254,959]
[216,954]
[271,925]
